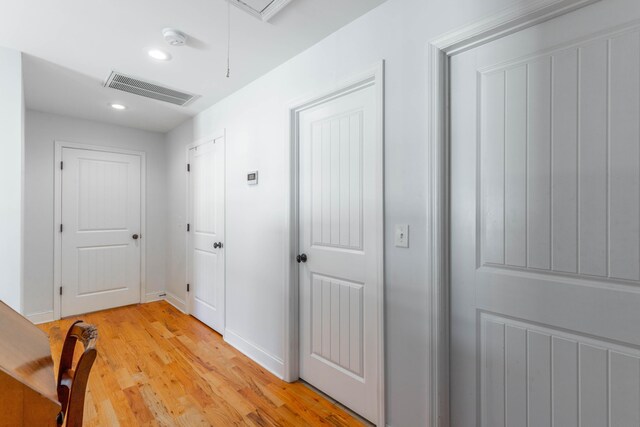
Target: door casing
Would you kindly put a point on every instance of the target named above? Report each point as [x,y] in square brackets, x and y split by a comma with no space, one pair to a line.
[216,135]
[515,18]
[374,76]
[57,215]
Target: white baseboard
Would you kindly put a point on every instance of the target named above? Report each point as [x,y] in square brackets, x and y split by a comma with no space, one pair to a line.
[255,353]
[155,296]
[176,302]
[44,317]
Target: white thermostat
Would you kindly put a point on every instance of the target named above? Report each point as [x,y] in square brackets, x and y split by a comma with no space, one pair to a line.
[252,178]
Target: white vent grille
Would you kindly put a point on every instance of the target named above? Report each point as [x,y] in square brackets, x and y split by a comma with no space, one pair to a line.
[149,90]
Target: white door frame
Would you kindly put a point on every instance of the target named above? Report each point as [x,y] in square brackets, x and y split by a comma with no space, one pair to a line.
[216,135]
[374,76]
[57,216]
[439,52]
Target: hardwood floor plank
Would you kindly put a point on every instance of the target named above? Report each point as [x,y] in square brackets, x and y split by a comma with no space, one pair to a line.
[159,367]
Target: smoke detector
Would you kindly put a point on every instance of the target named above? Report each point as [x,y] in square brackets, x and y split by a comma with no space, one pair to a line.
[174,37]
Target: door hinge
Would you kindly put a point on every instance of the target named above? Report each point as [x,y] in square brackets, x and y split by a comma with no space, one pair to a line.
[187,287]
[60,290]
[61,228]
[188,227]
[61,165]
[188,167]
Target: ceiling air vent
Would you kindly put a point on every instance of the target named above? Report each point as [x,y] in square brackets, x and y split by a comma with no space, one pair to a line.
[149,90]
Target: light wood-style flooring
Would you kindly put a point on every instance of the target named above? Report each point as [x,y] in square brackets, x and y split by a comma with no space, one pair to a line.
[159,367]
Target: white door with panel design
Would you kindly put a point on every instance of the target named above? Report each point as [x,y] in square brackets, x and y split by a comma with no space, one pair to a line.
[545,268]
[206,233]
[100,238]
[340,240]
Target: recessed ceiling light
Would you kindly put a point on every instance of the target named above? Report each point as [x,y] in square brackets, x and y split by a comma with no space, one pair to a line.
[159,55]
[118,106]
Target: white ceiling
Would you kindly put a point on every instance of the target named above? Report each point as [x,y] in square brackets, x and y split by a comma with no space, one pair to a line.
[71,47]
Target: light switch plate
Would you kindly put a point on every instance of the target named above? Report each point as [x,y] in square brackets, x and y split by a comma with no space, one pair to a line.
[402,236]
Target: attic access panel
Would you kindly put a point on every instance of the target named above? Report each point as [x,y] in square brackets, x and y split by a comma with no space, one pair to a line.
[261,9]
[258,5]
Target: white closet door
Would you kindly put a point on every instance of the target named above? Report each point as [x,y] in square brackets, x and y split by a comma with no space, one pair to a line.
[206,235]
[339,198]
[101,230]
[545,206]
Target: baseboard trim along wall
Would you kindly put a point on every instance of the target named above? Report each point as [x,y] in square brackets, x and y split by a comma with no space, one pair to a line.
[155,296]
[43,317]
[175,301]
[255,353]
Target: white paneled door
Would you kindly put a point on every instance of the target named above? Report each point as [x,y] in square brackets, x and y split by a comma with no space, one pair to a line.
[206,233]
[100,238]
[339,244]
[545,238]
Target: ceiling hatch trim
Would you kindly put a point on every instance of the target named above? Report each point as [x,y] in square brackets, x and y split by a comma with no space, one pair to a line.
[265,13]
[148,89]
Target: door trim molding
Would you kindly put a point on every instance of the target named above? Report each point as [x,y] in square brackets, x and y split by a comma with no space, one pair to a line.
[374,76]
[515,18]
[186,307]
[59,145]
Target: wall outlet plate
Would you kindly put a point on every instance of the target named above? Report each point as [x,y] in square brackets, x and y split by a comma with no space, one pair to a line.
[402,236]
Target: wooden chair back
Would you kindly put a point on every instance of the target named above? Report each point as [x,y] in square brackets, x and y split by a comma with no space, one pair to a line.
[72,382]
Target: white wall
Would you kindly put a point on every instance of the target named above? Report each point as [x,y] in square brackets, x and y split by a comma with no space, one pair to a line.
[257,136]
[41,130]
[11,177]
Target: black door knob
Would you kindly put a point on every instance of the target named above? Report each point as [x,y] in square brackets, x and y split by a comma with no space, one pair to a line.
[301,258]
[217,245]
[135,237]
